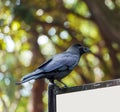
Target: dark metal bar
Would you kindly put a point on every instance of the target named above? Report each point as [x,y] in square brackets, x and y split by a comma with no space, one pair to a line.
[89,86]
[51,98]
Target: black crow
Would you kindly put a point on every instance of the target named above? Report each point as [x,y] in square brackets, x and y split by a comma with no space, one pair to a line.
[59,66]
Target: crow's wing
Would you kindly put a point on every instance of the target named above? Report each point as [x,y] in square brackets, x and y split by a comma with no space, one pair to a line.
[60,62]
[45,63]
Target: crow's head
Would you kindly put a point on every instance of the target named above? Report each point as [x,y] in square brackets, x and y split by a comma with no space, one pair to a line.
[78,48]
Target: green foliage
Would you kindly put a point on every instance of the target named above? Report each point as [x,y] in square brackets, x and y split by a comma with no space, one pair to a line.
[21,106]
[33,31]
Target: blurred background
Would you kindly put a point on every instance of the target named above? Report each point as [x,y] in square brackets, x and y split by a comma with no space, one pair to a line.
[33,31]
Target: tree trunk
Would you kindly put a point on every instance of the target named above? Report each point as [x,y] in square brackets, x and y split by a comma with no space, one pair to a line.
[108,32]
[38,87]
[36,98]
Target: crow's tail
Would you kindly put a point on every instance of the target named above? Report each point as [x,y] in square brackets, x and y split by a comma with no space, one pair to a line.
[37,74]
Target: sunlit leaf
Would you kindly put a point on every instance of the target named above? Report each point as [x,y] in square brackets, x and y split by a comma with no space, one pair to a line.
[15,26]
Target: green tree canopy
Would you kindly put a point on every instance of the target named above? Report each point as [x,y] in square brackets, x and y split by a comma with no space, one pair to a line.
[33,31]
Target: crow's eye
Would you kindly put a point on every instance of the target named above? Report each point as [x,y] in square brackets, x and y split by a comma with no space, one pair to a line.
[86,49]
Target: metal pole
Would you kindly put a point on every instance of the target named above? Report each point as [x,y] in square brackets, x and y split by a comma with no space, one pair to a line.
[51,98]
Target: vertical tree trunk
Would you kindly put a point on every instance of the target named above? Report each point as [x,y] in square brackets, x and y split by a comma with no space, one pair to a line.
[107,31]
[37,91]
[38,87]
